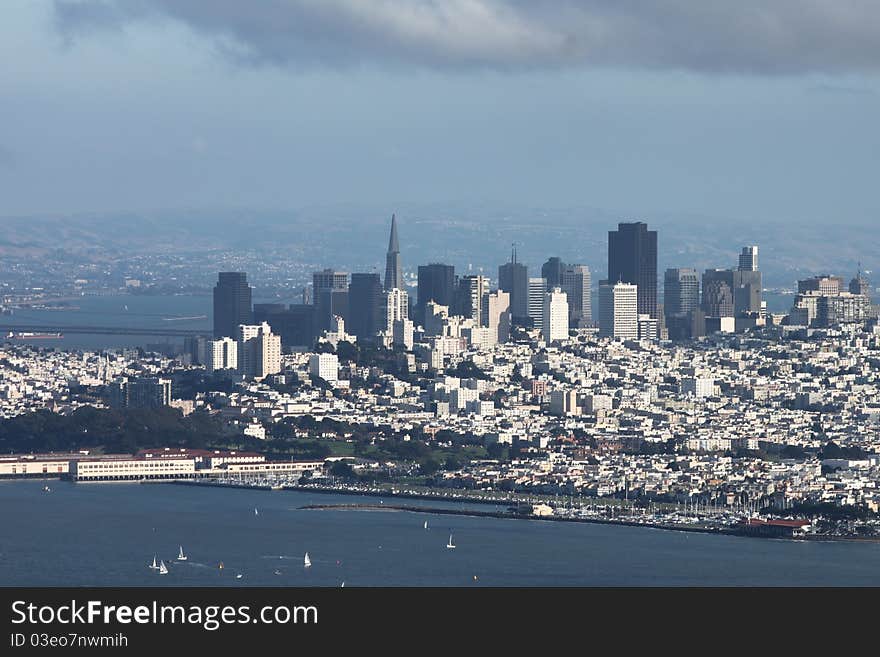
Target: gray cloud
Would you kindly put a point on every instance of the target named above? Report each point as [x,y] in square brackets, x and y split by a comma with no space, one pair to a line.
[745,36]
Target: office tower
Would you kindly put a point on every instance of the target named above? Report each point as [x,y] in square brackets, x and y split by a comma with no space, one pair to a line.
[196,348]
[681,291]
[748,259]
[718,293]
[437,284]
[294,324]
[576,285]
[393,268]
[860,285]
[395,306]
[513,278]
[537,290]
[329,279]
[551,271]
[330,292]
[496,315]
[259,350]
[222,355]
[618,310]
[232,303]
[824,284]
[632,258]
[554,321]
[469,299]
[365,306]
[324,366]
[146,392]
[747,283]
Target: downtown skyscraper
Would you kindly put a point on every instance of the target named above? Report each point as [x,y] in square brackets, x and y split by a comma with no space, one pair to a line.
[393,266]
[232,303]
[513,278]
[632,258]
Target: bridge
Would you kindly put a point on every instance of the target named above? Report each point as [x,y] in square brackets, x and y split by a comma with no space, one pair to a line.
[99,330]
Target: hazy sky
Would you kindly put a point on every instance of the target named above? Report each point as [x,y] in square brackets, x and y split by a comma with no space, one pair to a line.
[756,109]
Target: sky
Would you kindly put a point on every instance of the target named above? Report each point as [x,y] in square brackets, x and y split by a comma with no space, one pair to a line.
[765,111]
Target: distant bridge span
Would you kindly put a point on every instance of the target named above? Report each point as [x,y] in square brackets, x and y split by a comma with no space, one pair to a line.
[99,330]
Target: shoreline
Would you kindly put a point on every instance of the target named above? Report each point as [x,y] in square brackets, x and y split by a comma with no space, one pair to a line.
[720,531]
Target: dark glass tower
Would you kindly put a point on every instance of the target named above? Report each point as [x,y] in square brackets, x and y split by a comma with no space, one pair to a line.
[393,268]
[513,278]
[632,258]
[364,306]
[232,303]
[551,271]
[437,284]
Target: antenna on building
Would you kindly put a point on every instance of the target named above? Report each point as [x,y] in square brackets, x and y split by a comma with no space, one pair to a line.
[513,252]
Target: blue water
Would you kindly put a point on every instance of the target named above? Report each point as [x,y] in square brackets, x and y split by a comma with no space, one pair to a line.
[106,534]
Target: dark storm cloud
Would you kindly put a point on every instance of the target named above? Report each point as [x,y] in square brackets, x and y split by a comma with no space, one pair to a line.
[752,36]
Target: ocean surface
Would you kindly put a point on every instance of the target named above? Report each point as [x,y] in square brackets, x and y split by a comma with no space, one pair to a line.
[107,534]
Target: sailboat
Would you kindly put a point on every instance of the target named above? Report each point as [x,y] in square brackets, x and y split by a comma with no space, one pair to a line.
[256,512]
[154,565]
[342,585]
[426,524]
[163,569]
[182,556]
[306,561]
[450,545]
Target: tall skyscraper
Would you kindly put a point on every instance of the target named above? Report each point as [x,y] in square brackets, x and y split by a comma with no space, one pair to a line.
[330,290]
[436,283]
[860,285]
[618,310]
[513,278]
[551,271]
[393,267]
[232,303]
[537,290]
[576,285]
[748,259]
[681,291]
[632,258]
[718,293]
[365,306]
[554,322]
[469,301]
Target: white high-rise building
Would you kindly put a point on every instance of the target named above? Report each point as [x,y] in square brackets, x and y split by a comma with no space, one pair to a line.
[472,290]
[554,323]
[576,285]
[222,354]
[618,310]
[259,350]
[496,315]
[395,307]
[324,366]
[537,289]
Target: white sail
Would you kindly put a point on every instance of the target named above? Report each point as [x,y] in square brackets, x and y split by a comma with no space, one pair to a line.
[155,566]
[426,524]
[256,513]
[450,544]
[163,569]
[306,561]
[181,556]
